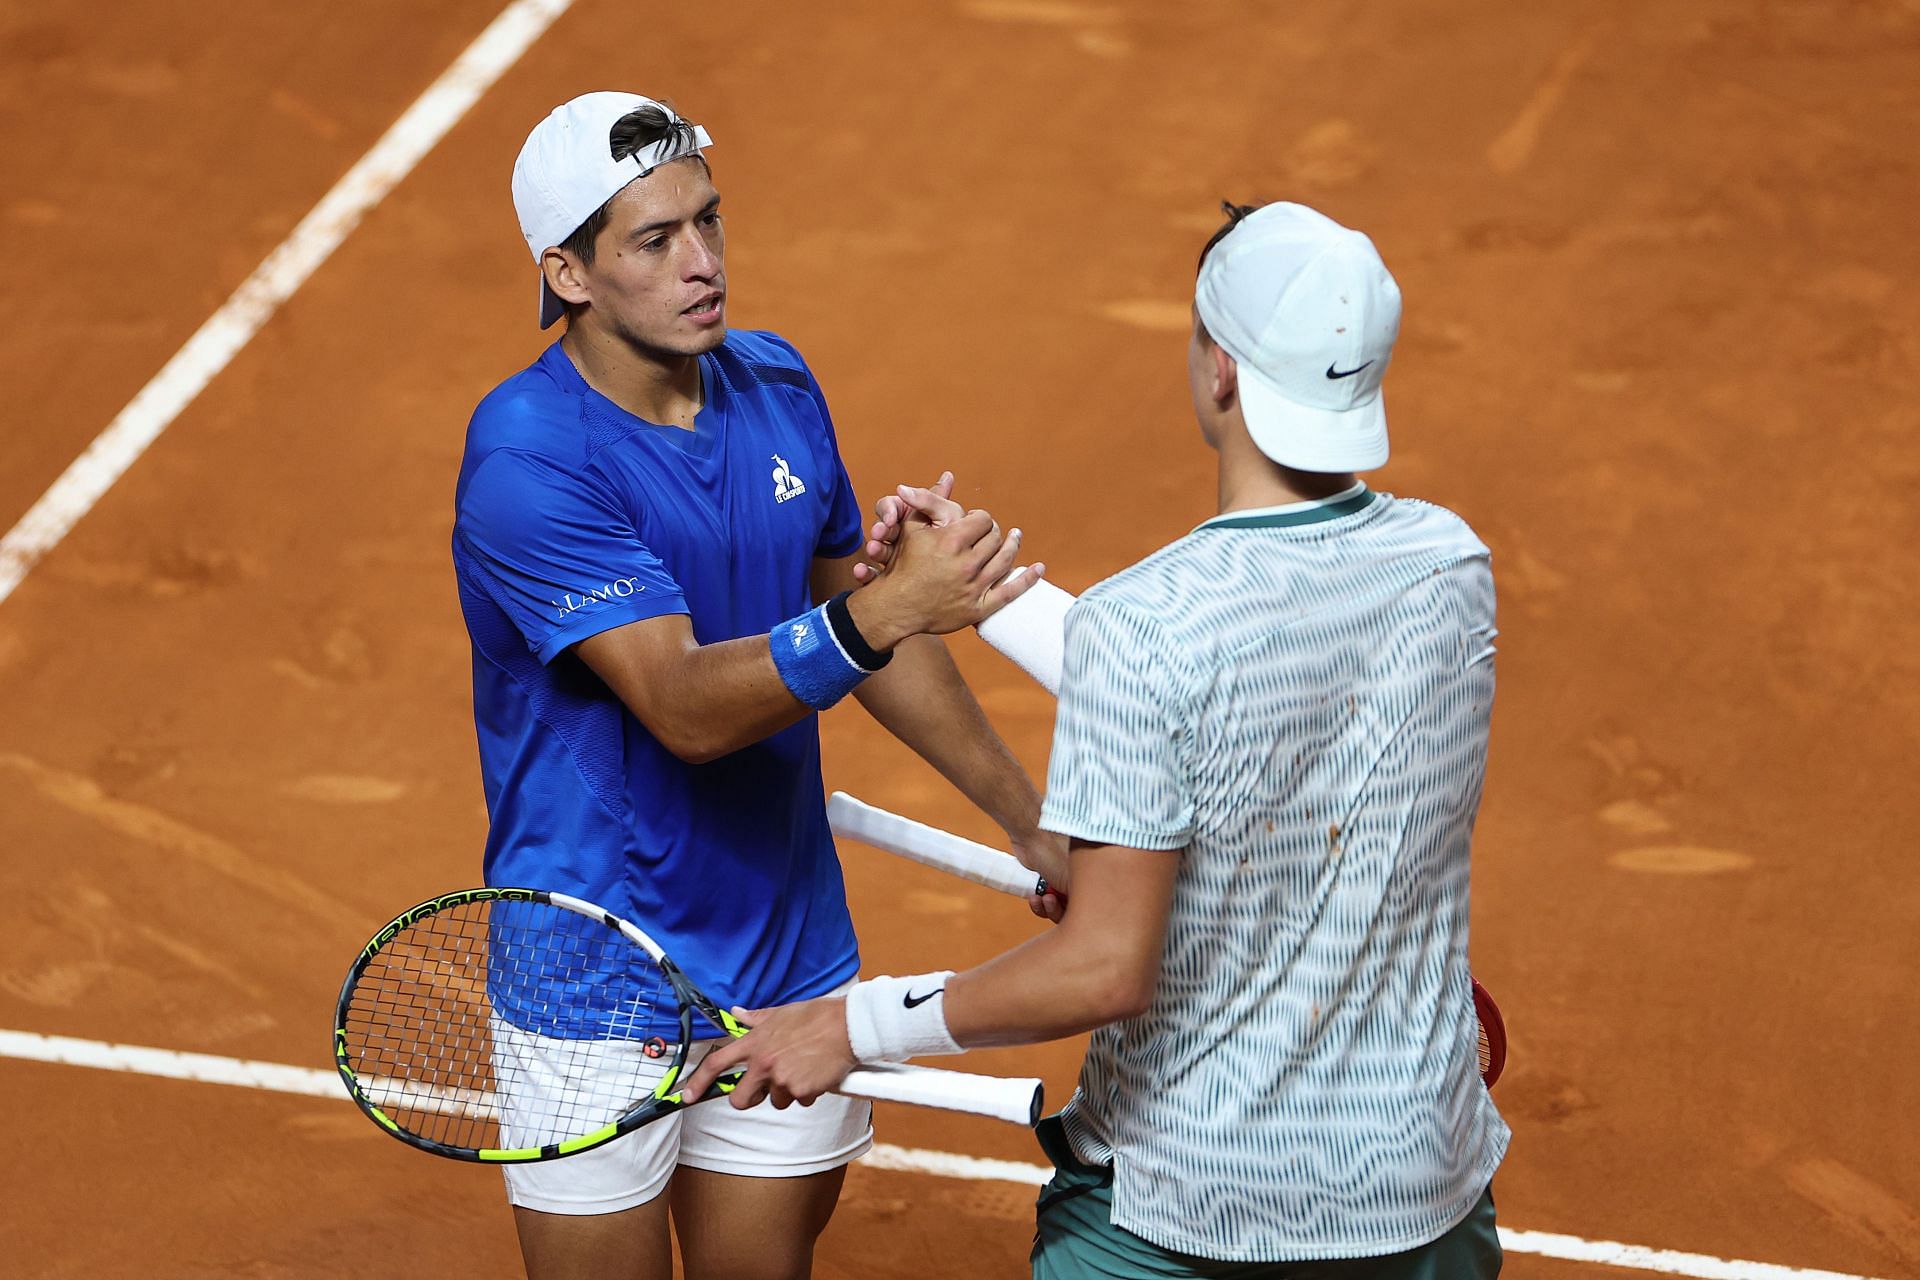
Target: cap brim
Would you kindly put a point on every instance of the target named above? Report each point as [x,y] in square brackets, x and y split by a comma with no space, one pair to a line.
[551,308]
[1309,439]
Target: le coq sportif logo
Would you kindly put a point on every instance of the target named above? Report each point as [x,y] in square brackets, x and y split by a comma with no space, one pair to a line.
[785,483]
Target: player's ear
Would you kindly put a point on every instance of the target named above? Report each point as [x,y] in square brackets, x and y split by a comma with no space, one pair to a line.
[1226,376]
[565,277]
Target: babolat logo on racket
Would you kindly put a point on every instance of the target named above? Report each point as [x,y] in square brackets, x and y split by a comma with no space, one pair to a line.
[443,903]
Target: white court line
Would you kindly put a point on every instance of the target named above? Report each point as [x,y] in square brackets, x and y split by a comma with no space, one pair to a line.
[210,1069]
[230,328]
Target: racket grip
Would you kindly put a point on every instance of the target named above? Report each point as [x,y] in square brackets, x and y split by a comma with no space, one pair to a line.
[1033,632]
[930,846]
[1016,1100]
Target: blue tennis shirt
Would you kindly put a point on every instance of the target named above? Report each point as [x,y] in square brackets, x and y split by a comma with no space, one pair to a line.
[573,517]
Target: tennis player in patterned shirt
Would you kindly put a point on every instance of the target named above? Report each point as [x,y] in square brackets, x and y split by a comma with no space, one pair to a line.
[1269,754]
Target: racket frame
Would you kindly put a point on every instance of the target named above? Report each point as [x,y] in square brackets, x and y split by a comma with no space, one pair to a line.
[663,1100]
[1493,1034]
[1015,1100]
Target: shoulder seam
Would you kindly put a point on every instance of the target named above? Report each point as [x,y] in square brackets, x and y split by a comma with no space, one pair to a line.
[586,466]
[779,374]
[1187,671]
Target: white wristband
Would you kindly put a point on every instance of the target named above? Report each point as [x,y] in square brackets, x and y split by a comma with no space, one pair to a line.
[1033,632]
[893,1019]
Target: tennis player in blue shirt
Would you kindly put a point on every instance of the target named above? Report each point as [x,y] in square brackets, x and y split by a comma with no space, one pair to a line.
[654,541]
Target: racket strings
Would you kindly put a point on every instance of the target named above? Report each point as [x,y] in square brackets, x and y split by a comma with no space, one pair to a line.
[504,1025]
[1492,1028]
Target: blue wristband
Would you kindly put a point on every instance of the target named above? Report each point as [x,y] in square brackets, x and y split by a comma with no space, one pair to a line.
[811,660]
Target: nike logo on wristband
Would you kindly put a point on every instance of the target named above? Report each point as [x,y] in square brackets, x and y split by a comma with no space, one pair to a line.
[912,1001]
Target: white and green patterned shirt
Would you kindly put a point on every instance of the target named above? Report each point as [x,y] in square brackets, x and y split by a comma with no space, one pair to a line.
[1299,699]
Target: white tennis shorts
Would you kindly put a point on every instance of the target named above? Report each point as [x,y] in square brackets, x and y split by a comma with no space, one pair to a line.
[760,1142]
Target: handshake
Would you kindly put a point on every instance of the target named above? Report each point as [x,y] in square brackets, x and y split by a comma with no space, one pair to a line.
[932,567]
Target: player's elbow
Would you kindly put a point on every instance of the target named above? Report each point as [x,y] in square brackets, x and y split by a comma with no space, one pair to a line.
[1112,973]
[688,735]
[692,754]
[1124,989]
[1126,999]
[692,743]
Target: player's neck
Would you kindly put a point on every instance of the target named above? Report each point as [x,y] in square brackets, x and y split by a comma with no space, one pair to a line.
[1249,480]
[652,386]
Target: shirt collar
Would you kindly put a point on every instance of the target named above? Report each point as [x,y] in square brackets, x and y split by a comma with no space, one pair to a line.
[1344,503]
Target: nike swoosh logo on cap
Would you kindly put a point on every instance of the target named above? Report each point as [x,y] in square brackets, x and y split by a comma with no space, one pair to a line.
[1346,373]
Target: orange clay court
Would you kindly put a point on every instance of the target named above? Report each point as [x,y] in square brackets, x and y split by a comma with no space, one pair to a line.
[1662,349]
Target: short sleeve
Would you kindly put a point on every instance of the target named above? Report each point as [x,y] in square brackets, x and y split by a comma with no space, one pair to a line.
[556,552]
[1116,775]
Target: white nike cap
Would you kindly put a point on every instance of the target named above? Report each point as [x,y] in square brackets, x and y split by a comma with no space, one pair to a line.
[1309,312]
[566,170]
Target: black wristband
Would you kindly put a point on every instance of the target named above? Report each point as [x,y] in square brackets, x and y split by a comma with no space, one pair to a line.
[840,618]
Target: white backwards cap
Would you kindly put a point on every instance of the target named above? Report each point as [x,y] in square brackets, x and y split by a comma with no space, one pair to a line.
[1309,312]
[566,170]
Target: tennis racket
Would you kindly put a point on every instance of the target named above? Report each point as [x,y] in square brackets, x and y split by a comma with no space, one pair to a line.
[942,850]
[1493,1035]
[515,1025]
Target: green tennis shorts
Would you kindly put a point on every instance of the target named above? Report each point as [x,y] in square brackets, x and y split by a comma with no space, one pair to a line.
[1077,1240]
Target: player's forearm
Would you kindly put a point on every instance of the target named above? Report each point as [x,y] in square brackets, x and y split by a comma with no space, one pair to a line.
[921,700]
[1101,965]
[1059,984]
[720,698]
[705,701]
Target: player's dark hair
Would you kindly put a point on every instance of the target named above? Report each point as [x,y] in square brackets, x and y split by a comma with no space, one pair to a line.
[634,131]
[1236,214]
